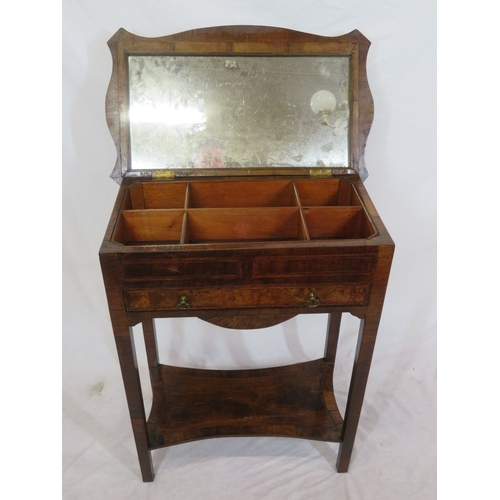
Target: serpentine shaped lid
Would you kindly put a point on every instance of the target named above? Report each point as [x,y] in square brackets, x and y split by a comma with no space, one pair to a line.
[238,100]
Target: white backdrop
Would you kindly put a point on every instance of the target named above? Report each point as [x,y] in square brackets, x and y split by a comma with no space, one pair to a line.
[395,450]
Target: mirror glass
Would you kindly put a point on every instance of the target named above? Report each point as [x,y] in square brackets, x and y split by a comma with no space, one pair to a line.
[245,111]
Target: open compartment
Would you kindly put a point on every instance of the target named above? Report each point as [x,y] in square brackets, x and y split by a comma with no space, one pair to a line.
[338,223]
[249,224]
[242,193]
[312,193]
[348,196]
[146,227]
[327,193]
[153,195]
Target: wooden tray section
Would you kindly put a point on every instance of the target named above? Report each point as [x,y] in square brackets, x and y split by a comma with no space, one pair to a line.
[191,404]
[173,213]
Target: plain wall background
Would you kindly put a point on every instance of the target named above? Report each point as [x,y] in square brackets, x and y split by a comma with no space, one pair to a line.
[395,449]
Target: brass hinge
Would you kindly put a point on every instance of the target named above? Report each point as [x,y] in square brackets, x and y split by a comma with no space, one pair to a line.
[321,172]
[163,175]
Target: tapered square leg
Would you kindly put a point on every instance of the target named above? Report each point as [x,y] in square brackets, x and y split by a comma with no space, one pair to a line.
[128,364]
[332,336]
[362,360]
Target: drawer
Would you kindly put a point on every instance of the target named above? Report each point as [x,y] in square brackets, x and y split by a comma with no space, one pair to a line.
[172,269]
[247,297]
[321,265]
[296,269]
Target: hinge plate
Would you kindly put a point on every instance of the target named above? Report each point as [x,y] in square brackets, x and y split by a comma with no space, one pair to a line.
[163,175]
[321,173]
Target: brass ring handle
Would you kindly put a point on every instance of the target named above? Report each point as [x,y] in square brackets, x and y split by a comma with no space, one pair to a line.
[312,300]
[183,303]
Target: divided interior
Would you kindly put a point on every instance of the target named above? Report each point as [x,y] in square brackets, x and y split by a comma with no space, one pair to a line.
[189,212]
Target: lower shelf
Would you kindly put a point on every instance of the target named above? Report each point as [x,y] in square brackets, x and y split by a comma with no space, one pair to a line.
[294,401]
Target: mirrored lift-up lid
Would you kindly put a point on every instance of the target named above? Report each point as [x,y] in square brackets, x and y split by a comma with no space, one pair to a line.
[238,101]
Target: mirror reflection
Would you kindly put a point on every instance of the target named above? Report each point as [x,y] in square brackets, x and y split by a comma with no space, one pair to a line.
[246,111]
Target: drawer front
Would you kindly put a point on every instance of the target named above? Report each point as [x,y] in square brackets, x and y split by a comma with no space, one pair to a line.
[174,269]
[290,270]
[317,266]
[230,298]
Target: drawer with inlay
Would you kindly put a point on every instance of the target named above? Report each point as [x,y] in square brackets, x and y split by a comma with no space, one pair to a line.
[247,297]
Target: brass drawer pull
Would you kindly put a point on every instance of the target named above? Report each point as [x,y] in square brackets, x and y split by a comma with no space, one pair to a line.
[183,303]
[312,300]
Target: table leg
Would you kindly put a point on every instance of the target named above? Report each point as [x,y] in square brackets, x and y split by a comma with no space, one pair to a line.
[332,336]
[130,373]
[148,328]
[362,360]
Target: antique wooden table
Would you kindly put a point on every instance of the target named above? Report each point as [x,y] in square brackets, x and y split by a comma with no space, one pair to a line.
[246,246]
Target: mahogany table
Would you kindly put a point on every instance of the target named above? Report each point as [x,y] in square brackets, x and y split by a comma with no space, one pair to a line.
[243,248]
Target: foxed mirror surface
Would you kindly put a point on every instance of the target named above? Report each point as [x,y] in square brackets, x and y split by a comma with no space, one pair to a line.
[246,111]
